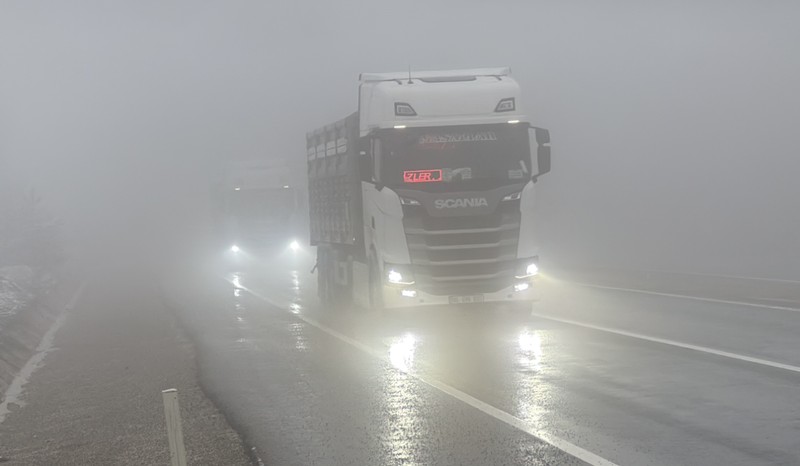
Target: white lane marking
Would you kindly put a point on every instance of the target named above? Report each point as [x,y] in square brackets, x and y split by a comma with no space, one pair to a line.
[702,349]
[502,416]
[683,296]
[14,391]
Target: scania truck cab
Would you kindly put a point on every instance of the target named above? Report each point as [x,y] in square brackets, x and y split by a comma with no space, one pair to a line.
[425,195]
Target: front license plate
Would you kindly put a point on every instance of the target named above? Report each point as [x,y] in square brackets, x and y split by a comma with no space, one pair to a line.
[477,298]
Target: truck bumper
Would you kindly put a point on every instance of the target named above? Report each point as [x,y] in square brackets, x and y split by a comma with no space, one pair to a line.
[396,297]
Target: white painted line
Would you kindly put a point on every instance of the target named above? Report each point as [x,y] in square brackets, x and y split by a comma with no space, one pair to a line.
[14,391]
[683,296]
[664,341]
[734,277]
[557,442]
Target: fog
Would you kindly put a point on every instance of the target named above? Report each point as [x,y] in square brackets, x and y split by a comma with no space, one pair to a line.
[673,124]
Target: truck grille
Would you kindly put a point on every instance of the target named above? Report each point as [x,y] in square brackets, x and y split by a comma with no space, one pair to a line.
[463,255]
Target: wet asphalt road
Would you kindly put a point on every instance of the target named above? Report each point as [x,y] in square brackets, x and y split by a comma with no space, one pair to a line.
[307,384]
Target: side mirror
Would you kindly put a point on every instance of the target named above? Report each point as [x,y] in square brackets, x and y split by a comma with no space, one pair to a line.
[542,136]
[543,160]
[542,152]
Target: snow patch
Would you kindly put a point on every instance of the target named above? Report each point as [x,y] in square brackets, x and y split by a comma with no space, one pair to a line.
[15,289]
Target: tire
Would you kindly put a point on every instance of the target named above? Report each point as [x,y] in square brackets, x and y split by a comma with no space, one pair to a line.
[341,267]
[318,270]
[324,290]
[320,275]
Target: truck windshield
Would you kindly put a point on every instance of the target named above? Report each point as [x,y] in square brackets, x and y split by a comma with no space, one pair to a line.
[473,157]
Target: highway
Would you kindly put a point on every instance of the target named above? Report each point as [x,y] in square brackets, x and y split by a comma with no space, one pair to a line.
[591,376]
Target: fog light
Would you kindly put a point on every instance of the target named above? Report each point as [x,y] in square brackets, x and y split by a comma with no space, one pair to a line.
[409,293]
[521,287]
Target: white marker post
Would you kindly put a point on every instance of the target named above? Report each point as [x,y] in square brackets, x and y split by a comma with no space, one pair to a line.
[177,452]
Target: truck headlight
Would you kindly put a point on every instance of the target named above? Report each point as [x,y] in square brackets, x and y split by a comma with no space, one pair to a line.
[398,276]
[527,269]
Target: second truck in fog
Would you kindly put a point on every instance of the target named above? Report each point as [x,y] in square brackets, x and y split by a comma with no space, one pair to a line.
[425,194]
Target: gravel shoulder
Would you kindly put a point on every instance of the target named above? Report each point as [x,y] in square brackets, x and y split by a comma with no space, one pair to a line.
[97,397]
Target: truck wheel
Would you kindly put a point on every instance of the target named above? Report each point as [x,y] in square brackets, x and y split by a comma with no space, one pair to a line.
[323,276]
[318,270]
[375,286]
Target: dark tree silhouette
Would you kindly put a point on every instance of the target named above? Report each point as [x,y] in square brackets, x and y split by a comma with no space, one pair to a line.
[29,234]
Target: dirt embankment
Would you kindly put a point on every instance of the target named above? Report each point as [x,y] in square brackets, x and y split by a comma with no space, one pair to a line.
[97,397]
[25,317]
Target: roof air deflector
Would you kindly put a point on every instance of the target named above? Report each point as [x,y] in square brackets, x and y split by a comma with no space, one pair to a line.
[448,79]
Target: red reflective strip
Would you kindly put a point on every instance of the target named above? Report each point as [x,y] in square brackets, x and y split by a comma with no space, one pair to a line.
[422,176]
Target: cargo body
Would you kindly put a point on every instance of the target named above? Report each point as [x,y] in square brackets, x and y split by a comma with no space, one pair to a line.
[425,194]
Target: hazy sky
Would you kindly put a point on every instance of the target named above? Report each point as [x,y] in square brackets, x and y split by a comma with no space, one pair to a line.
[673,123]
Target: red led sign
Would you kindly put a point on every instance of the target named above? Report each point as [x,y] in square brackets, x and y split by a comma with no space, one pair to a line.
[422,176]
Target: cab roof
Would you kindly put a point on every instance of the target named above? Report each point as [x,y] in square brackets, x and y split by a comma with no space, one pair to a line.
[443,75]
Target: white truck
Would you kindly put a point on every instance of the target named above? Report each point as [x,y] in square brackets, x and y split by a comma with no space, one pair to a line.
[259,206]
[425,194]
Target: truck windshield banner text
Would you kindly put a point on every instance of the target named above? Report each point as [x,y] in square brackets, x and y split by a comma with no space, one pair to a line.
[422,176]
[457,137]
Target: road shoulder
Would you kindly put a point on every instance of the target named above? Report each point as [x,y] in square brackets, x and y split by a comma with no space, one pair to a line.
[97,397]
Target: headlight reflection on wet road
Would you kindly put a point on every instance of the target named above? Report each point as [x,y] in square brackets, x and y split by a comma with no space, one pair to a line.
[401,352]
[530,349]
[531,392]
[298,331]
[237,285]
[403,405]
